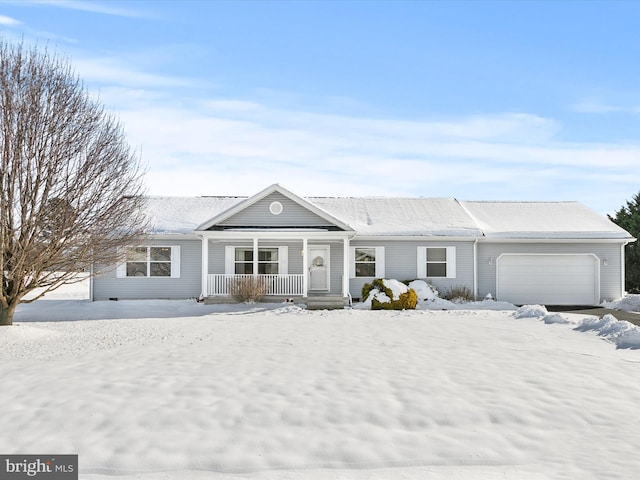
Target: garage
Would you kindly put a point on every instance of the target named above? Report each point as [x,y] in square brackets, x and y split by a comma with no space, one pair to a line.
[548,279]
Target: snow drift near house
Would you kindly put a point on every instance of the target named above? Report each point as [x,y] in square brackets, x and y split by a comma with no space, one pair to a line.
[629,303]
[619,332]
[294,394]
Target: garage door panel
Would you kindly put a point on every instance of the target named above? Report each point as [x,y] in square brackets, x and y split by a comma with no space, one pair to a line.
[548,279]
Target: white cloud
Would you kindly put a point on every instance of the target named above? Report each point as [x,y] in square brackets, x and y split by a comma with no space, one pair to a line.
[225,147]
[110,71]
[4,20]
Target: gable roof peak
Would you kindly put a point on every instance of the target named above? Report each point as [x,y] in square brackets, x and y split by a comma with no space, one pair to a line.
[276,187]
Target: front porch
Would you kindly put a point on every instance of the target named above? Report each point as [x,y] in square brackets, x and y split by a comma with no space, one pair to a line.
[295,249]
[315,266]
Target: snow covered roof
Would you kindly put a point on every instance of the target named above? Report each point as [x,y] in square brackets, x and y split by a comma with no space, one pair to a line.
[385,216]
[553,220]
[184,214]
[401,216]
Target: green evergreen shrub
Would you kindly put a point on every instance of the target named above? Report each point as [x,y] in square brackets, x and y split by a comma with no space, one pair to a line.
[377,284]
[406,301]
[628,217]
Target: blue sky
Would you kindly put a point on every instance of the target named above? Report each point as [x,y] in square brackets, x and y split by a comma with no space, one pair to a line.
[474,100]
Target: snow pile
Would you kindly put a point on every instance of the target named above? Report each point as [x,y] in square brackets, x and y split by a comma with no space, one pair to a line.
[624,334]
[629,303]
[554,318]
[531,311]
[424,290]
[619,332]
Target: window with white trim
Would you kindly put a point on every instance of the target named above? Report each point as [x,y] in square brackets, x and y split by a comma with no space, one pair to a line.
[271,260]
[267,261]
[436,262]
[150,261]
[367,262]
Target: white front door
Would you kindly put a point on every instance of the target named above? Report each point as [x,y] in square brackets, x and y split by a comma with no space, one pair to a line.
[319,267]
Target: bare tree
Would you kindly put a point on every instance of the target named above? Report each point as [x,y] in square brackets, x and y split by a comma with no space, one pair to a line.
[70,187]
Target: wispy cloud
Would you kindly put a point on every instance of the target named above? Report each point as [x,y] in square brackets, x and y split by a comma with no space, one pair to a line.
[8,21]
[111,71]
[119,9]
[234,146]
[597,106]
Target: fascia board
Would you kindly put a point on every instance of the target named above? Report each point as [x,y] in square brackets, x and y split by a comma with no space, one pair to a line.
[172,236]
[265,234]
[555,240]
[412,238]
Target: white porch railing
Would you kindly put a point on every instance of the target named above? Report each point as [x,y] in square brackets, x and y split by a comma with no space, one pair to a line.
[218,284]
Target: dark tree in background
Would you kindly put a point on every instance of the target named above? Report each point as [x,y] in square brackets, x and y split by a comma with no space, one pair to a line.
[70,187]
[628,217]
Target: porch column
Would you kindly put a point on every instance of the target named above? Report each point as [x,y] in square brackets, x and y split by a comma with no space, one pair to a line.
[255,256]
[345,268]
[205,267]
[305,268]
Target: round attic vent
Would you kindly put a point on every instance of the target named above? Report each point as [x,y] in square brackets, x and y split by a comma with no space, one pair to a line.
[275,208]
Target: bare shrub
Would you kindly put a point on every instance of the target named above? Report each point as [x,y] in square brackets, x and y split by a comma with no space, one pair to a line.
[248,289]
[459,294]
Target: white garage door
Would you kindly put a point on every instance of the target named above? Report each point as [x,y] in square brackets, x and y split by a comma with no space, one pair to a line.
[548,279]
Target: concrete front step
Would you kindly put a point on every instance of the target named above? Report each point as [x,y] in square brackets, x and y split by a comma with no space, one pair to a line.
[318,302]
[326,302]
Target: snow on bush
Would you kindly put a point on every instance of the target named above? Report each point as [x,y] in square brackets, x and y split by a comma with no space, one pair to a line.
[428,297]
[397,288]
[425,291]
[531,311]
[389,294]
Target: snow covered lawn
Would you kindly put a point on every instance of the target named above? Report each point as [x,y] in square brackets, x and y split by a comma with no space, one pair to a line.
[284,393]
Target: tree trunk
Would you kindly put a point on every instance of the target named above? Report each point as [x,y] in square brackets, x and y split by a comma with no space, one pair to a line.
[6,314]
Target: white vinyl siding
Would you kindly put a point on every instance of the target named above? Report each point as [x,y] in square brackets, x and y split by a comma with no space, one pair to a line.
[155,261]
[436,262]
[365,261]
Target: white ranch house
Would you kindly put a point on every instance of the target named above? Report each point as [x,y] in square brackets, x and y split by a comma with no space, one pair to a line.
[326,248]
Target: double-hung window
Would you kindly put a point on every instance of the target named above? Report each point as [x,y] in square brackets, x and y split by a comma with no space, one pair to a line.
[270,261]
[150,261]
[367,262]
[267,261]
[436,262]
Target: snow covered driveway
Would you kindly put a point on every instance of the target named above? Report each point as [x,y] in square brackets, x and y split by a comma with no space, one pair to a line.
[348,394]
